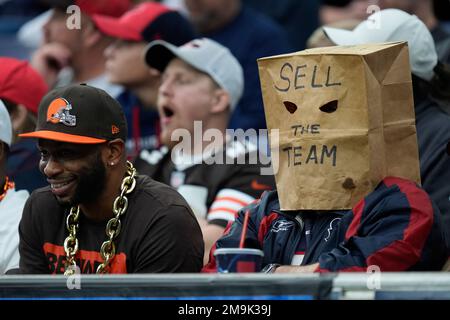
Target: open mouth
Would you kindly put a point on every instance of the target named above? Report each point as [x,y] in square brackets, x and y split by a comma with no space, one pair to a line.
[61,188]
[167,112]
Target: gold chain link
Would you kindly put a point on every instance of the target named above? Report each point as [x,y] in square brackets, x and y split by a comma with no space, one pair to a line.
[71,242]
[108,248]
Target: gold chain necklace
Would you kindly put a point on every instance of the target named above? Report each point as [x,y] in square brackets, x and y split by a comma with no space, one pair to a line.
[108,248]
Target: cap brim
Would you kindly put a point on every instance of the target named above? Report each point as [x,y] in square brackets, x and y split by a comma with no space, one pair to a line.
[159,53]
[63,137]
[113,28]
[341,37]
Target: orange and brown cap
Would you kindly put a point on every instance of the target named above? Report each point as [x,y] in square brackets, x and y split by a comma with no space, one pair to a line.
[79,114]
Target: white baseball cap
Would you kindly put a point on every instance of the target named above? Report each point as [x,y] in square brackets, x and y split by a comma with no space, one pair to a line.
[5,125]
[393,25]
[205,55]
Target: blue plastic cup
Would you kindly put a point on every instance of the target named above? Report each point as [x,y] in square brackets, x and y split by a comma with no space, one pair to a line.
[231,260]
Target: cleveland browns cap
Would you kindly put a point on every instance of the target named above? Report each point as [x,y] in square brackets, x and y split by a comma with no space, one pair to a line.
[79,114]
[147,22]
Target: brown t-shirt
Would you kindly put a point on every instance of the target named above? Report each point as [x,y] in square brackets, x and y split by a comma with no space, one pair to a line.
[159,234]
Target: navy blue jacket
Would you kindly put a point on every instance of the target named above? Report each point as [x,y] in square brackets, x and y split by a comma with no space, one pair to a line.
[396,227]
[433,137]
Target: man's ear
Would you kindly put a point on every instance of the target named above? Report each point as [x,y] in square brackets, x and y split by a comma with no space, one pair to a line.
[115,152]
[154,72]
[221,101]
[90,34]
[92,38]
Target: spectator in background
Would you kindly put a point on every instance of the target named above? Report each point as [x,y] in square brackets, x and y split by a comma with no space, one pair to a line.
[76,48]
[319,39]
[13,14]
[337,10]
[202,81]
[440,88]
[441,10]
[249,35]
[299,18]
[30,35]
[21,89]
[332,11]
[11,201]
[125,65]
[424,10]
[432,123]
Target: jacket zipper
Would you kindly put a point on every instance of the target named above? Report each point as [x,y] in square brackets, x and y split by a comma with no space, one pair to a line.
[289,253]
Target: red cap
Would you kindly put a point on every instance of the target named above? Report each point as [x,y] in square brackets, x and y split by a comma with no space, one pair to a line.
[146,22]
[21,84]
[114,8]
[131,24]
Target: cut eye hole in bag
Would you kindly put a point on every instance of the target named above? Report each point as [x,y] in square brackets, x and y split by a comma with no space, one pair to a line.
[328,107]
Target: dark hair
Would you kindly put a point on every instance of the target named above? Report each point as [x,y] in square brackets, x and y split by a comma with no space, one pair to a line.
[436,90]
[440,83]
[5,150]
[10,106]
[441,9]
[421,88]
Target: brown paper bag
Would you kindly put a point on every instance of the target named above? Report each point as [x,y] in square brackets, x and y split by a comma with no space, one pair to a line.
[346,120]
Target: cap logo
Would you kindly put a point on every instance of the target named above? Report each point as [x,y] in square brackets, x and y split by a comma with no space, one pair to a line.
[114,129]
[58,112]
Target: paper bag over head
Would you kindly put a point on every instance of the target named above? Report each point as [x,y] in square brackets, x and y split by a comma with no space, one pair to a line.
[346,120]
